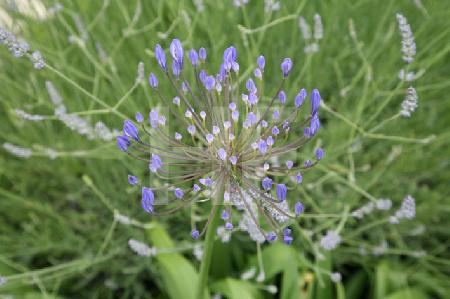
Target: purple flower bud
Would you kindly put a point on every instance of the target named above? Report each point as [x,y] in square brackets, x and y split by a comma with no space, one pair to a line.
[286,125]
[209,137]
[153,118]
[252,118]
[130,130]
[271,236]
[227,124]
[178,193]
[275,131]
[148,199]
[267,183]
[160,57]
[276,115]
[139,118]
[264,124]
[287,238]
[282,97]
[176,69]
[228,226]
[299,178]
[193,56]
[270,141]
[196,188]
[209,83]
[202,76]
[225,215]
[232,106]
[229,58]
[185,87]
[262,146]
[315,124]
[307,132]
[132,180]
[261,61]
[286,67]
[252,99]
[319,153]
[250,85]
[300,98]
[298,208]
[191,129]
[123,142]
[202,54]
[215,130]
[257,73]
[281,192]
[307,164]
[222,154]
[289,164]
[153,81]
[176,50]
[155,163]
[235,115]
[195,234]
[315,101]
[233,160]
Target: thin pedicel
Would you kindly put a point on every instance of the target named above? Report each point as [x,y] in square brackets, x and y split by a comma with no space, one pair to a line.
[227,144]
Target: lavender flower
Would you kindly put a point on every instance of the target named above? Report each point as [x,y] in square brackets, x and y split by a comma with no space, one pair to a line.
[408,43]
[220,137]
[330,241]
[409,104]
[132,180]
[20,48]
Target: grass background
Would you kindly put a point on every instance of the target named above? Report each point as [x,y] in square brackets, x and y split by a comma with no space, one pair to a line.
[58,236]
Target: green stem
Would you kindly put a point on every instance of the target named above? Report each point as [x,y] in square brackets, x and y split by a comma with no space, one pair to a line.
[208,247]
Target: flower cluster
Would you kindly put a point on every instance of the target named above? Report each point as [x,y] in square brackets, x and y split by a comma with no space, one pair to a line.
[407,210]
[409,104]
[408,43]
[311,46]
[20,48]
[229,149]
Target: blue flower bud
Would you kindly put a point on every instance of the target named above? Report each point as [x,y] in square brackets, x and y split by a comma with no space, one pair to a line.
[271,236]
[132,180]
[202,54]
[225,215]
[123,142]
[282,97]
[267,183]
[261,61]
[193,56]
[176,50]
[275,131]
[153,81]
[299,178]
[262,146]
[148,199]
[286,67]
[195,234]
[315,124]
[209,83]
[228,226]
[298,208]
[315,101]
[178,193]
[319,153]
[139,118]
[300,98]
[251,87]
[160,57]
[130,130]
[281,192]
[155,163]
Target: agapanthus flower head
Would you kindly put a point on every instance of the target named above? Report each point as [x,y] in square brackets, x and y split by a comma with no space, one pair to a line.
[229,144]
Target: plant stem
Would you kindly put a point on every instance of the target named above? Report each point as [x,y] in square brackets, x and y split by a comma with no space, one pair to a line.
[208,247]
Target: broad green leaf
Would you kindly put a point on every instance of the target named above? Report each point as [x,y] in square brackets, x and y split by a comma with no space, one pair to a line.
[381,280]
[277,258]
[236,289]
[179,275]
[290,285]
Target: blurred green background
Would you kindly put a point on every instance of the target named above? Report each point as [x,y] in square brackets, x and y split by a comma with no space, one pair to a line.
[58,234]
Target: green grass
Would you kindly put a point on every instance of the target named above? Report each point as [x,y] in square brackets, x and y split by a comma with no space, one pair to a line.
[58,236]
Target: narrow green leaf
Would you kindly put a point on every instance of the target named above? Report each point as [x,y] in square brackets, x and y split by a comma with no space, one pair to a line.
[235,289]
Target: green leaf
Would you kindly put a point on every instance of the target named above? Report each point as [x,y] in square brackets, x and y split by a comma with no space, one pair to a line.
[235,289]
[277,258]
[290,287]
[324,289]
[408,293]
[179,275]
[356,285]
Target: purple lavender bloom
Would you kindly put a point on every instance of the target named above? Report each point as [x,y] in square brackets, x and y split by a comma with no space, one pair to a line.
[315,124]
[202,54]
[299,178]
[195,234]
[178,193]
[123,142]
[319,153]
[282,97]
[250,85]
[275,131]
[209,137]
[233,160]
[193,57]
[315,101]
[160,57]
[289,164]
[202,76]
[148,199]
[287,238]
[261,61]
[270,141]
[281,192]
[176,50]
[300,98]
[276,115]
[153,81]
[286,67]
[267,183]
[262,146]
[257,73]
[130,130]
[196,188]
[252,99]
[132,180]
[228,226]
[308,163]
[271,236]
[298,208]
[209,83]
[139,118]
[155,163]
[225,215]
[191,129]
